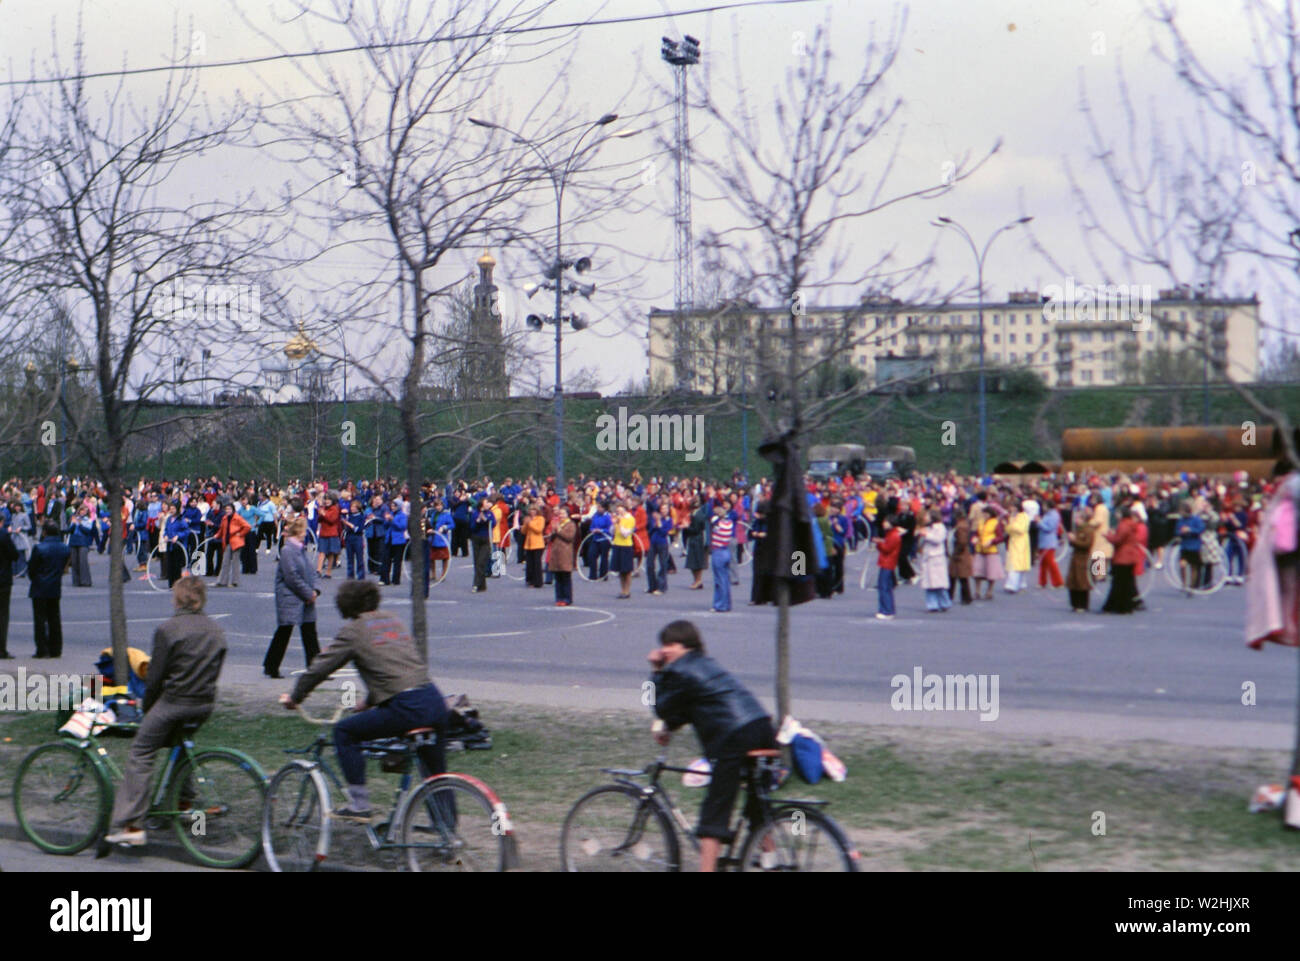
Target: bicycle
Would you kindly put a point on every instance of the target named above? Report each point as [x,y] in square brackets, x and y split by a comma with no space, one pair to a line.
[627,826]
[63,797]
[428,820]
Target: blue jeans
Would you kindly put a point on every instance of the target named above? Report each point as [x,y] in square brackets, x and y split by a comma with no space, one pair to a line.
[656,567]
[1235,554]
[356,554]
[885,591]
[720,561]
[419,707]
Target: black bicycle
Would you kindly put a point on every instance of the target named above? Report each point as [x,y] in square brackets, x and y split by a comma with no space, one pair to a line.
[634,826]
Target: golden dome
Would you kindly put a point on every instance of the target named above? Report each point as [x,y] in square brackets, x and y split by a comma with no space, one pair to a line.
[30,367]
[487,260]
[299,346]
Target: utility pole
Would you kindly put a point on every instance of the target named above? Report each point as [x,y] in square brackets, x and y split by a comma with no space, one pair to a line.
[680,56]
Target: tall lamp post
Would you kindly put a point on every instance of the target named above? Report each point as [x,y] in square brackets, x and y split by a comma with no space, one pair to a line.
[559,174]
[980,255]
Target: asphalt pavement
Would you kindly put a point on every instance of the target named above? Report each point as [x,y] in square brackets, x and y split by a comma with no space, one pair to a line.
[1178,671]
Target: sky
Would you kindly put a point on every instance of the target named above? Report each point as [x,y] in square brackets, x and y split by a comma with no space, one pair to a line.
[969,72]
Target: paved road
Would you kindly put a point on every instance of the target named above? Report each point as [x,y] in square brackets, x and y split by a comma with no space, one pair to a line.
[1174,672]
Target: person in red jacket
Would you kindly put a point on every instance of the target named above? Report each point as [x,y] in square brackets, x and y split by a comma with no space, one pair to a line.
[329,531]
[231,532]
[888,546]
[1128,553]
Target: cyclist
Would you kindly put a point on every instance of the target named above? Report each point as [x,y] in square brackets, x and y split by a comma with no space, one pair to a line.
[692,688]
[188,651]
[400,694]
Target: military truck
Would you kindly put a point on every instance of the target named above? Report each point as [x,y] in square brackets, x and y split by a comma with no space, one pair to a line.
[835,460]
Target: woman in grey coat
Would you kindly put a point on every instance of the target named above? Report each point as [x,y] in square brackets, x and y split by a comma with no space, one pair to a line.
[295,599]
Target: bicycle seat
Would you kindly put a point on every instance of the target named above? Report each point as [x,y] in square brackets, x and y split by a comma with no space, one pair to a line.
[764,752]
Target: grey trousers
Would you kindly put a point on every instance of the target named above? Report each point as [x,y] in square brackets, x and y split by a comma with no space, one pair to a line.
[229,569]
[156,731]
[80,567]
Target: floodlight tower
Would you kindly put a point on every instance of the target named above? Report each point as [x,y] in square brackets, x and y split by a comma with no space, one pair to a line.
[680,56]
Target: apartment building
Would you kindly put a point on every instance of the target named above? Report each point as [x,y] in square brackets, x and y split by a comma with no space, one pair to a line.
[1071,335]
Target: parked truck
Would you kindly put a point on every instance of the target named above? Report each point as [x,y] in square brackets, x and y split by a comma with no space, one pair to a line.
[882,462]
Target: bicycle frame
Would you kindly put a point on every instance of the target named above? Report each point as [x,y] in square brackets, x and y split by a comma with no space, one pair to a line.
[657,794]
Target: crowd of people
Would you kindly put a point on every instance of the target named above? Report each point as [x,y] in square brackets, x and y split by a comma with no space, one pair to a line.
[955,537]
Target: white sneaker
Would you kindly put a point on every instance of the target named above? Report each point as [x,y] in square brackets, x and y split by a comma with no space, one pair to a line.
[131,837]
[884,617]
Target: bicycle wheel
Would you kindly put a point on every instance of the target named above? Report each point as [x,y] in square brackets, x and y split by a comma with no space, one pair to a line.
[220,795]
[450,824]
[296,818]
[61,798]
[616,828]
[798,839]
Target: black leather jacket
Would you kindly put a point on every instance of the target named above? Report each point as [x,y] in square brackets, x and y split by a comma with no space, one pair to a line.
[696,690]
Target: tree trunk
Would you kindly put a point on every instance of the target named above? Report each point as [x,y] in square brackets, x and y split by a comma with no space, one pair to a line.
[782,649]
[116,587]
[411,439]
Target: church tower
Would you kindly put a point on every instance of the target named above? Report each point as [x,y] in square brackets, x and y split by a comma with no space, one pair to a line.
[485,363]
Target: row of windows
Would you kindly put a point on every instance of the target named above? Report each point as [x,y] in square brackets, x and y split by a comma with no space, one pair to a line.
[915,319]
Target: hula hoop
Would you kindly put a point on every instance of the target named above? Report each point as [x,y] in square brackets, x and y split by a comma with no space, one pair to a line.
[162,560]
[1213,557]
[582,545]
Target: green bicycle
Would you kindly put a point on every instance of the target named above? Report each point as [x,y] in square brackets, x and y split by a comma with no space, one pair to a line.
[63,798]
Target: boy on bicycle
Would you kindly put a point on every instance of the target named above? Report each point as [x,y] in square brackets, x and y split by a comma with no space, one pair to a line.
[691,688]
[400,694]
[188,651]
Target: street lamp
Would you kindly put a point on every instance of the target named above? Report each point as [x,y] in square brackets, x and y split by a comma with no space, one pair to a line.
[559,174]
[979,266]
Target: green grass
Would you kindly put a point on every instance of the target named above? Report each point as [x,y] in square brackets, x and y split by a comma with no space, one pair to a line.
[277,442]
[915,799]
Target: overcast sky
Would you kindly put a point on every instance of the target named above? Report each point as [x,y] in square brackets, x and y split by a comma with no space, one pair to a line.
[970,72]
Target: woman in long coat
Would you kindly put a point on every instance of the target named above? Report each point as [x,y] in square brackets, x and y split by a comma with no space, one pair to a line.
[1018,553]
[934,564]
[961,564]
[561,560]
[295,599]
[697,558]
[1076,578]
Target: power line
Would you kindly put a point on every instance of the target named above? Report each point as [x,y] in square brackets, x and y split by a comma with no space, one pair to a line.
[509,31]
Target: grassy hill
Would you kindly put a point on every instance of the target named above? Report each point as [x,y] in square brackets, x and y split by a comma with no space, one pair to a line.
[288,441]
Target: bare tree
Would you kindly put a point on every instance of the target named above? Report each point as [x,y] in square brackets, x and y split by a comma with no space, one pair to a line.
[796,186]
[1195,206]
[103,225]
[419,189]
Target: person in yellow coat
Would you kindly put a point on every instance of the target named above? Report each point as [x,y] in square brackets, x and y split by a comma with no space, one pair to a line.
[1018,556]
[1100,521]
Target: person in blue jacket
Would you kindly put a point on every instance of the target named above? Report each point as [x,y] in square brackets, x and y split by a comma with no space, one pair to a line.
[438,545]
[81,537]
[176,534]
[1188,530]
[600,539]
[396,538]
[45,570]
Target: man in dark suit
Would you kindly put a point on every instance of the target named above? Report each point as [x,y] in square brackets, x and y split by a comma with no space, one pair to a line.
[49,561]
[8,555]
